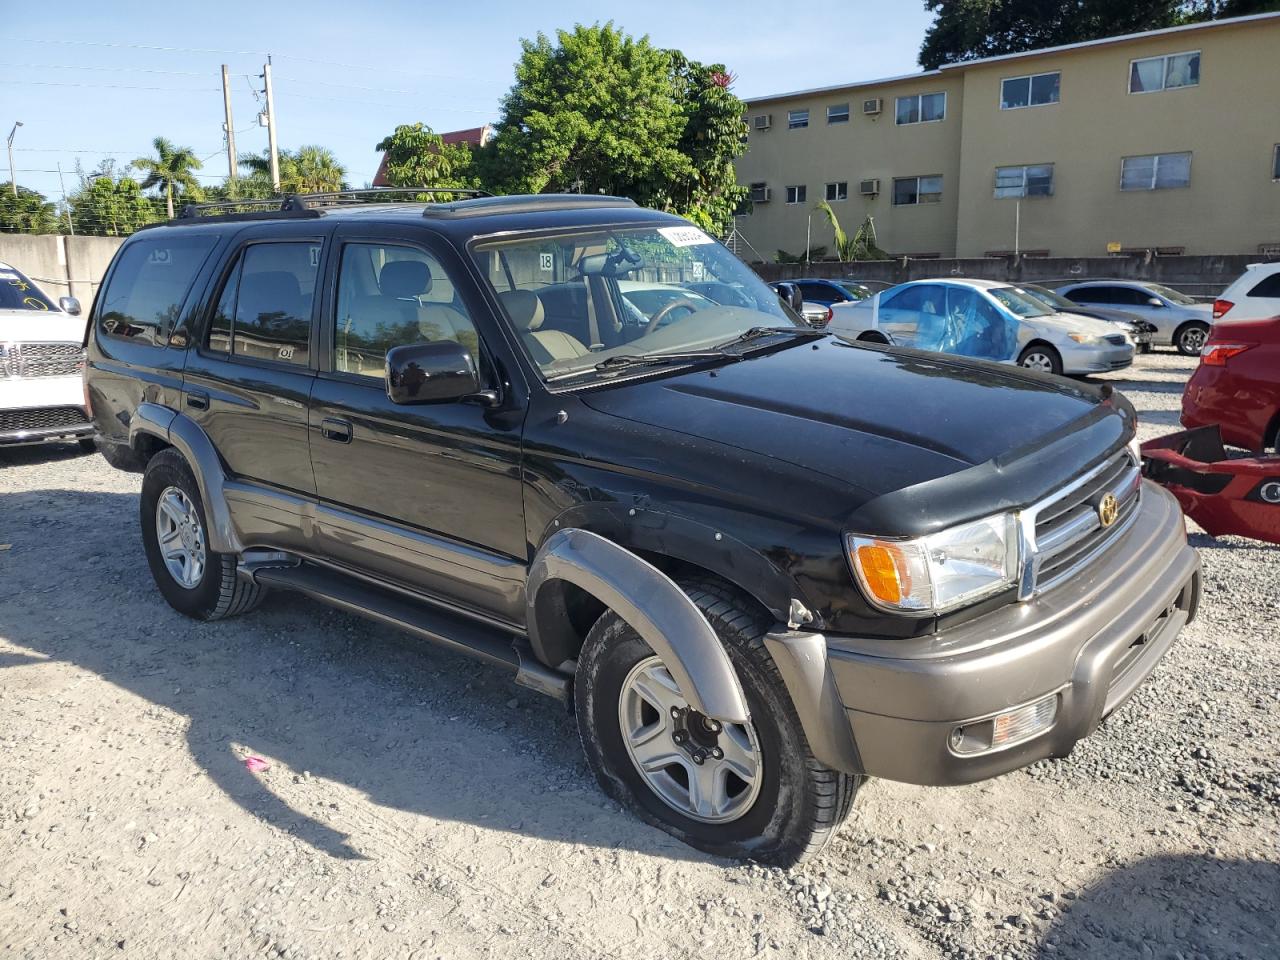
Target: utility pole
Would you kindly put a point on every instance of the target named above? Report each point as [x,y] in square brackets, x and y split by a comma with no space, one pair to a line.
[231,128]
[271,126]
[13,182]
[65,206]
[1017,226]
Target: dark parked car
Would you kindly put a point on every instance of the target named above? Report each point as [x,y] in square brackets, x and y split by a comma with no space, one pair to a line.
[828,292]
[1139,330]
[1237,384]
[759,563]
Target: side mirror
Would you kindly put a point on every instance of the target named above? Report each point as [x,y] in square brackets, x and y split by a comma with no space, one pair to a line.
[790,294]
[431,373]
[69,305]
[1155,302]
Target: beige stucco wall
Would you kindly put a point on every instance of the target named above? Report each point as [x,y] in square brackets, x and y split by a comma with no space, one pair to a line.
[61,266]
[1230,123]
[862,149]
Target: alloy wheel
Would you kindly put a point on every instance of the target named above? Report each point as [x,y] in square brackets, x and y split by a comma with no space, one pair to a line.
[181,537]
[1038,361]
[705,770]
[1192,340]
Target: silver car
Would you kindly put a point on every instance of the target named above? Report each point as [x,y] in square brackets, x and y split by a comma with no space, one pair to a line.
[982,318]
[1179,320]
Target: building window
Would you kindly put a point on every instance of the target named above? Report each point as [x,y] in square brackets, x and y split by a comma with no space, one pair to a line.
[797,119]
[1033,91]
[838,190]
[838,113]
[1164,73]
[1029,181]
[1159,171]
[922,108]
[908,191]
[796,194]
[759,192]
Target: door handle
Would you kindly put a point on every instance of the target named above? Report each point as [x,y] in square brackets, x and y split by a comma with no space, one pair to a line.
[338,430]
[197,400]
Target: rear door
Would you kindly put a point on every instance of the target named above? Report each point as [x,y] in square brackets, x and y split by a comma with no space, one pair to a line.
[427,495]
[249,378]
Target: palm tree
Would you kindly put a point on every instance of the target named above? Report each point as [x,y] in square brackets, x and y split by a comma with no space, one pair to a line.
[171,169]
[309,169]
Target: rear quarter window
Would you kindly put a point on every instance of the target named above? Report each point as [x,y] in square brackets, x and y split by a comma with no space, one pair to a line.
[1267,286]
[148,285]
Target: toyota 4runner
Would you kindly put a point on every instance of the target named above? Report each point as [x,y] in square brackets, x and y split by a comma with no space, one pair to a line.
[760,563]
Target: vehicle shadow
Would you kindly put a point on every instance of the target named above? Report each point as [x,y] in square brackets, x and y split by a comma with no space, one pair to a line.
[310,689]
[39,453]
[1174,906]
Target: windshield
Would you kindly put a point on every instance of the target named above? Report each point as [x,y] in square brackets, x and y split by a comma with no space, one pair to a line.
[19,293]
[1170,294]
[855,290]
[1049,298]
[584,300]
[1019,303]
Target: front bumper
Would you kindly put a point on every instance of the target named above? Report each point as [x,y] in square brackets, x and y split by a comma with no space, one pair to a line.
[1089,642]
[1094,359]
[40,409]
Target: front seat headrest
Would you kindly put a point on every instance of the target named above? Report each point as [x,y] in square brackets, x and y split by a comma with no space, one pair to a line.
[405,279]
[524,307]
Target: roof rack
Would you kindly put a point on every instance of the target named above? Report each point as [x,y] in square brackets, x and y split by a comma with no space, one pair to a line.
[532,203]
[299,205]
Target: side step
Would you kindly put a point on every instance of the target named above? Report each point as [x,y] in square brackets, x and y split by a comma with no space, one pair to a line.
[456,633]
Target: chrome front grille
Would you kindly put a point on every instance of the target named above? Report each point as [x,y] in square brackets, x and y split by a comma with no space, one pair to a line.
[1063,533]
[40,359]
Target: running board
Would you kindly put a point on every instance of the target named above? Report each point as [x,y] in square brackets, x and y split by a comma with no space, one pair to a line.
[456,633]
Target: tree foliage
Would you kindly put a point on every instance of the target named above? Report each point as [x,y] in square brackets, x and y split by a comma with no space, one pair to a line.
[597,111]
[309,169]
[972,29]
[418,157]
[171,171]
[28,212]
[111,207]
[861,245]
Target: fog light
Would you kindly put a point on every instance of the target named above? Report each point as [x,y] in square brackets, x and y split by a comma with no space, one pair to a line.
[1005,729]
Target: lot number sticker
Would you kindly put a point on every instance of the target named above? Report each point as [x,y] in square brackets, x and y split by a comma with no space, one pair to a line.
[684,236]
[547,262]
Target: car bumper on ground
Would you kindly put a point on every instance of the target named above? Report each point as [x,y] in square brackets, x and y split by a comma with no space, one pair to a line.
[1068,657]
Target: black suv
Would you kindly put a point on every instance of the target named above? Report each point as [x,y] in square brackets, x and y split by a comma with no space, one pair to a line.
[759,562]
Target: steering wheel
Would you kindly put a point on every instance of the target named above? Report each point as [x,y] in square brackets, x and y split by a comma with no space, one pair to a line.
[680,303]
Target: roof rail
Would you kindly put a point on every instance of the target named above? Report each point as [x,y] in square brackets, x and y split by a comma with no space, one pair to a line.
[299,205]
[530,203]
[359,195]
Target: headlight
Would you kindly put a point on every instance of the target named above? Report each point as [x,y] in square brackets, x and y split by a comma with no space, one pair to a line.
[1086,338]
[938,572]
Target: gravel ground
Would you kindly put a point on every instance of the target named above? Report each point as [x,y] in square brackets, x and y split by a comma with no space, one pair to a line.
[417,805]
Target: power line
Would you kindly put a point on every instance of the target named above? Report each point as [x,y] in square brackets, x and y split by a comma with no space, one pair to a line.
[110,86]
[131,46]
[76,66]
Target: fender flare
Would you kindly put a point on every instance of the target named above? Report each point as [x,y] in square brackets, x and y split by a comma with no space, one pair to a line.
[194,445]
[651,603]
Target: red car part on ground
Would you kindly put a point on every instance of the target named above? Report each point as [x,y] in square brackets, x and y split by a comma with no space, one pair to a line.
[1237,384]
[1225,496]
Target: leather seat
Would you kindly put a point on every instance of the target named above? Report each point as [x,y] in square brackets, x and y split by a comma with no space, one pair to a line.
[407,281]
[545,346]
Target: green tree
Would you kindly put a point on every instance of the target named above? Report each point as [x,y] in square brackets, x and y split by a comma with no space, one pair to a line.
[28,212]
[171,171]
[971,29]
[418,157]
[714,136]
[111,208]
[309,169]
[860,246]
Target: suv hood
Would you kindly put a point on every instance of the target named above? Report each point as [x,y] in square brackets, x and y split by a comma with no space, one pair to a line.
[40,326]
[875,419]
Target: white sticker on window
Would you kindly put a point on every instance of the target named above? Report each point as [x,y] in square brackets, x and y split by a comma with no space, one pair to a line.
[160,255]
[547,262]
[684,236]
[698,270]
[314,253]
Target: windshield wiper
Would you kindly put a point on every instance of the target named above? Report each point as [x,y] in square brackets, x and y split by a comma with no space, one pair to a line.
[642,359]
[756,333]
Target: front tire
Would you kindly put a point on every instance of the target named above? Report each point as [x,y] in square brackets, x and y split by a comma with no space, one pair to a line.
[1042,358]
[1190,338]
[195,580]
[758,792]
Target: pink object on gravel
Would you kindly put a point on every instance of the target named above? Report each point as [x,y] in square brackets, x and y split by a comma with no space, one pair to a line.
[256,764]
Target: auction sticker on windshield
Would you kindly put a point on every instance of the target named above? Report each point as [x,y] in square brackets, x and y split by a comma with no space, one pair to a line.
[684,236]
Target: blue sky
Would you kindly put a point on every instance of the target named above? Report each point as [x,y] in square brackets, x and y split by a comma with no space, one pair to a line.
[91,80]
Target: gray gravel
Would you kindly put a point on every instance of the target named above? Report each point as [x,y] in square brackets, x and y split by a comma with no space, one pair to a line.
[419,805]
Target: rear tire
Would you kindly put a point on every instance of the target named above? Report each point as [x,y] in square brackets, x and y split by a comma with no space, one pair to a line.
[1041,357]
[212,589]
[1190,337]
[795,804]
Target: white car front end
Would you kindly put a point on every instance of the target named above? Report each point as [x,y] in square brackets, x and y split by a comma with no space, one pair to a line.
[41,377]
[1086,345]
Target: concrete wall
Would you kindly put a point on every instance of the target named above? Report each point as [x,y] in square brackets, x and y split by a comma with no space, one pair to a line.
[61,266]
[1203,277]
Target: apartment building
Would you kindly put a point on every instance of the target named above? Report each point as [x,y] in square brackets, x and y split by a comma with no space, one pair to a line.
[1167,141]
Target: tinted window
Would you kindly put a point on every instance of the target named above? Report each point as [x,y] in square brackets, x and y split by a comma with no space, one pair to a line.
[19,293]
[224,313]
[277,284]
[1268,287]
[1093,295]
[148,286]
[389,296]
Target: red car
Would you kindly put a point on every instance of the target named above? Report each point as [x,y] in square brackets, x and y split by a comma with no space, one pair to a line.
[1237,384]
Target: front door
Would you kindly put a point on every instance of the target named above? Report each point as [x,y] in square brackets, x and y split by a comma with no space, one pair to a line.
[426,495]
